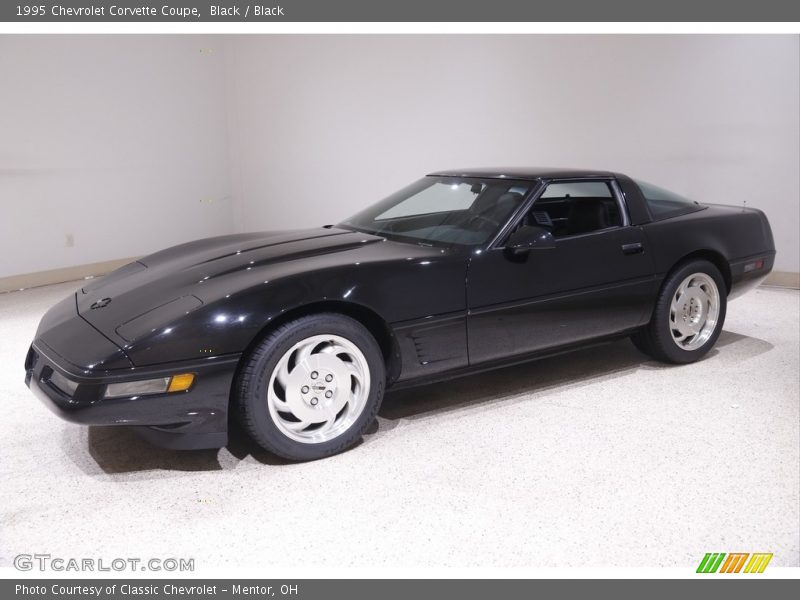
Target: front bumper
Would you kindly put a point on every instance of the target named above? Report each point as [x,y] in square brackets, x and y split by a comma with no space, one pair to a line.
[196,418]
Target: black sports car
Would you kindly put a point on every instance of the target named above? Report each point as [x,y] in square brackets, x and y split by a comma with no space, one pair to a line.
[299,333]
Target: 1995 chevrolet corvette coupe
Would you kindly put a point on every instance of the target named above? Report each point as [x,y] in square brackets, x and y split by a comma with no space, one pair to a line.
[297,334]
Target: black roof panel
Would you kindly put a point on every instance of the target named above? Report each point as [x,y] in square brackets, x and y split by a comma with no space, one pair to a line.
[523,173]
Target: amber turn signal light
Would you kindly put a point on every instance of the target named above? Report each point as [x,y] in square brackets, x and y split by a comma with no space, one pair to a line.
[181,383]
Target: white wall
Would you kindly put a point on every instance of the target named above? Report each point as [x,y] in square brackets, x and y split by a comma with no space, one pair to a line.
[119,141]
[134,143]
[321,126]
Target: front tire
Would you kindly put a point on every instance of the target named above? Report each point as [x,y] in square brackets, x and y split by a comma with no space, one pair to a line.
[310,388]
[688,315]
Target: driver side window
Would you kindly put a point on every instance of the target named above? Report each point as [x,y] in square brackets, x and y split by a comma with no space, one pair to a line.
[575,207]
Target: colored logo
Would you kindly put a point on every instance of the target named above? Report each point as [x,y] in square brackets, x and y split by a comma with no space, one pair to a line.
[735,562]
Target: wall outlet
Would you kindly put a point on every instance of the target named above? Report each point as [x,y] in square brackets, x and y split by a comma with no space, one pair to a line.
[70,240]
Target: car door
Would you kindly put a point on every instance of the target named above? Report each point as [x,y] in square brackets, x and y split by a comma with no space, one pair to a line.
[595,280]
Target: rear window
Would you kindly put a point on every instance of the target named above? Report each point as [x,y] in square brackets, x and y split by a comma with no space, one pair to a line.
[663,203]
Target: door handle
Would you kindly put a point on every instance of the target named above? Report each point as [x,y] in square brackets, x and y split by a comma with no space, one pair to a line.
[635,248]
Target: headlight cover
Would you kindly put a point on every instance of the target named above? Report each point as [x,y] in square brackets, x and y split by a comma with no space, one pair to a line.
[145,387]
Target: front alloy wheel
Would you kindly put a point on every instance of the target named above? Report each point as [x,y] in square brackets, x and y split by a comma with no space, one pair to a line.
[318,389]
[310,388]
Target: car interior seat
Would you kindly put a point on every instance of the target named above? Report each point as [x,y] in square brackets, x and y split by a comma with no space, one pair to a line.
[496,210]
[586,214]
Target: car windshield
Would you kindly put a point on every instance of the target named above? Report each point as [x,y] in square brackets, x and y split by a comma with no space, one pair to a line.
[443,210]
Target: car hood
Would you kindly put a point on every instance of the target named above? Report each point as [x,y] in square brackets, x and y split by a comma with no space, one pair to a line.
[181,279]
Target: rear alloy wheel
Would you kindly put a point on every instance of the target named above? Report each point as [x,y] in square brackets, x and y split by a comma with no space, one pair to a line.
[688,316]
[312,387]
[694,311]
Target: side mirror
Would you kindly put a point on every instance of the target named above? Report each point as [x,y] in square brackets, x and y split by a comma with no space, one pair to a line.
[528,238]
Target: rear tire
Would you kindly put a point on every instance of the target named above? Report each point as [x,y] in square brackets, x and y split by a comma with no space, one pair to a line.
[310,388]
[688,315]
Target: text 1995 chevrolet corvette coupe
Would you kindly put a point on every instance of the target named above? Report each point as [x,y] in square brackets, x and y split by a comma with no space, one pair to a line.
[299,333]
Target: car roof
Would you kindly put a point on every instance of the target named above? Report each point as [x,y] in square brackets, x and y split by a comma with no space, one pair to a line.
[522,173]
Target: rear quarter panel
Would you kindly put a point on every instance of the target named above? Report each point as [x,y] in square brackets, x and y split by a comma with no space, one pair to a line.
[734,233]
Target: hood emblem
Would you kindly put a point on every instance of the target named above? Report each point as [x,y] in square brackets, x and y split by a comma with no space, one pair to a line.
[100,303]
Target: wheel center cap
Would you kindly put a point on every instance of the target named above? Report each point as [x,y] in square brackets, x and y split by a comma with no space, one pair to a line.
[313,387]
[692,311]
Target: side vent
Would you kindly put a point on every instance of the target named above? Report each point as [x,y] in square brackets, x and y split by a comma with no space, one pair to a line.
[419,346]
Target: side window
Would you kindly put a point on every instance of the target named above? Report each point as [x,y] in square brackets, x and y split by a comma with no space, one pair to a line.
[575,207]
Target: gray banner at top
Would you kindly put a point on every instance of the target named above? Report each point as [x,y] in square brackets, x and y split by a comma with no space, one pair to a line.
[403,10]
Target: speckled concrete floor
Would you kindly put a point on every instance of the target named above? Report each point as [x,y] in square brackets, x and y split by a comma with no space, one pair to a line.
[599,458]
